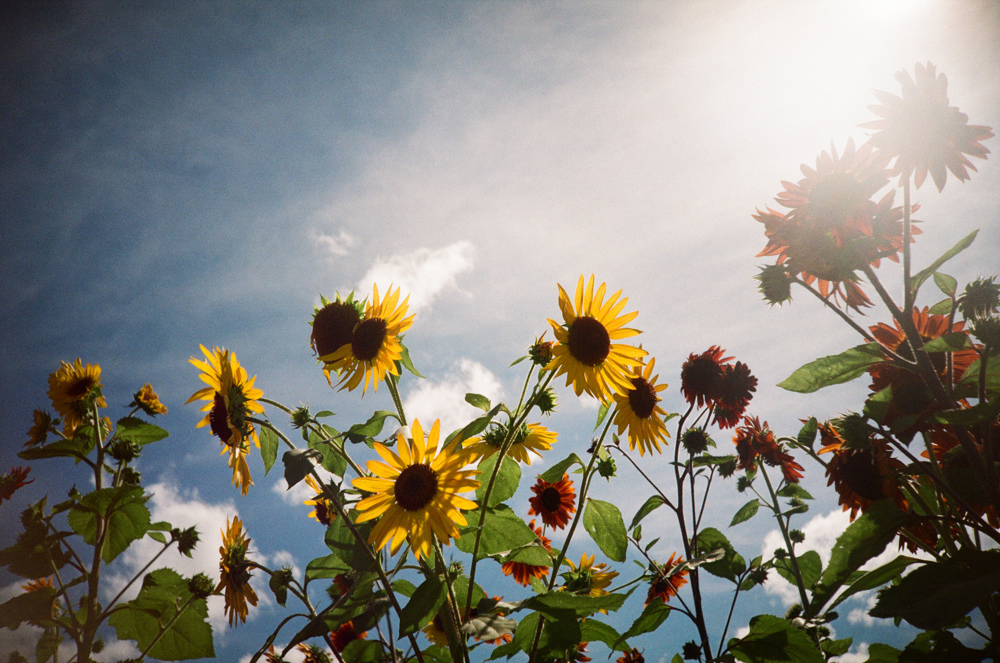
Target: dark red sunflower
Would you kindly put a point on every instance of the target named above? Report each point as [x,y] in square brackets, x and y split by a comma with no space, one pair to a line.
[345,635]
[701,376]
[554,502]
[737,388]
[523,573]
[861,472]
[11,482]
[631,656]
[922,132]
[754,440]
[669,579]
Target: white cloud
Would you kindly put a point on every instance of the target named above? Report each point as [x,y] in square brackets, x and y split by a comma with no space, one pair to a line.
[445,399]
[333,245]
[859,655]
[298,493]
[422,273]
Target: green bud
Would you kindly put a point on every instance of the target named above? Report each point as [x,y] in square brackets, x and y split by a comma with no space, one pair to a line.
[606,467]
[797,536]
[129,476]
[546,401]
[696,441]
[981,297]
[186,539]
[775,285]
[692,651]
[201,586]
[124,450]
[301,417]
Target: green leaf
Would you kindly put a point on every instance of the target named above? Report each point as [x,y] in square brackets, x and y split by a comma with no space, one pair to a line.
[478,400]
[951,342]
[476,426]
[326,567]
[344,545]
[556,472]
[359,432]
[531,554]
[279,589]
[937,646]
[947,284]
[940,593]
[835,369]
[404,587]
[595,631]
[78,448]
[364,651]
[875,578]
[810,566]
[970,378]
[943,307]
[506,483]
[323,413]
[331,449]
[163,591]
[47,645]
[746,512]
[298,463]
[423,605]
[794,490]
[141,432]
[807,434]
[33,606]
[879,653]
[601,413]
[407,362]
[268,447]
[836,647]
[502,531]
[553,604]
[732,563]
[123,509]
[923,275]
[863,539]
[652,616]
[773,639]
[603,521]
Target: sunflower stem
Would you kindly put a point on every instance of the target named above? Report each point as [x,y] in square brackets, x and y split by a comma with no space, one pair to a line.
[390,380]
[163,631]
[826,302]
[908,293]
[453,627]
[780,517]
[138,575]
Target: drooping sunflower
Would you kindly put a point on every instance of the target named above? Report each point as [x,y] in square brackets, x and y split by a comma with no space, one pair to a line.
[639,413]
[701,376]
[146,400]
[554,502]
[345,635]
[323,510]
[754,441]
[334,323]
[69,388]
[533,438]
[11,482]
[588,578]
[584,350]
[522,572]
[669,579]
[922,132]
[40,429]
[234,568]
[231,398]
[416,492]
[374,345]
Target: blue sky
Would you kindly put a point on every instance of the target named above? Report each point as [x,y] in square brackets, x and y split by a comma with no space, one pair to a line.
[181,174]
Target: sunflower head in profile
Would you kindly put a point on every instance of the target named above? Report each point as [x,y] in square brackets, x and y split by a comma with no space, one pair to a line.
[345,635]
[146,400]
[584,349]
[231,399]
[637,410]
[522,572]
[553,502]
[312,653]
[374,346]
[588,578]
[922,132]
[234,568]
[527,439]
[323,511]
[74,389]
[668,580]
[415,492]
[632,656]
[736,389]
[11,482]
[755,441]
[40,429]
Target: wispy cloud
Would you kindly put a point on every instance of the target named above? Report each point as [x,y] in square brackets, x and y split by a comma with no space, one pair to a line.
[445,398]
[423,273]
[333,245]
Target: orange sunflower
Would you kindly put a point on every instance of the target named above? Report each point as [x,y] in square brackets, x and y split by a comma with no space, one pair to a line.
[668,580]
[754,441]
[862,470]
[922,132]
[585,351]
[345,635]
[523,573]
[735,391]
[374,346]
[554,502]
[639,413]
[11,482]
[701,376]
[234,568]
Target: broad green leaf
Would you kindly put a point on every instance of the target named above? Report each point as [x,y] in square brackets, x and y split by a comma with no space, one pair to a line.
[810,566]
[371,428]
[603,521]
[502,531]
[476,426]
[595,631]
[33,606]
[971,377]
[652,616]
[835,369]
[124,509]
[407,362]
[551,604]
[478,400]
[364,651]
[940,593]
[746,512]
[268,447]
[947,284]
[506,483]
[323,413]
[326,567]
[732,563]
[279,589]
[298,463]
[343,544]
[601,413]
[943,307]
[836,647]
[875,578]
[948,343]
[938,646]
[794,490]
[561,629]
[556,472]
[331,449]
[879,653]
[772,639]
[423,605]
[647,507]
[78,447]
[923,274]
[141,432]
[534,555]
[807,434]
[404,587]
[47,645]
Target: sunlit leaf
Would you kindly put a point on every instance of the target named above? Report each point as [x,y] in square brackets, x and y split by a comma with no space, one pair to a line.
[603,521]
[506,482]
[834,369]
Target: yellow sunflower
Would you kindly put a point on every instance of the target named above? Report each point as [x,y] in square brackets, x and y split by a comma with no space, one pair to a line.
[584,350]
[533,438]
[69,386]
[374,347]
[234,568]
[146,400]
[589,578]
[416,492]
[39,431]
[322,511]
[638,411]
[231,398]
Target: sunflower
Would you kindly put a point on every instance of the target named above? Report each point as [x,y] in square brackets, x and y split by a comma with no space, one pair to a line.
[588,578]
[576,654]
[333,324]
[735,391]
[231,398]
[922,132]
[523,573]
[312,653]
[754,440]
[861,470]
[41,584]
[345,635]
[234,570]
[416,492]
[69,388]
[533,438]
[554,502]
[668,580]
[701,376]
[39,431]
[323,510]
[584,350]
[146,400]
[631,656]
[11,482]
[638,411]
[374,346]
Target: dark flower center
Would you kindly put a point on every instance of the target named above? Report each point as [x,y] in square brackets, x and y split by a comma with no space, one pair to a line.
[218,418]
[551,499]
[702,376]
[589,342]
[367,338]
[416,487]
[323,513]
[861,473]
[81,387]
[239,575]
[835,198]
[333,326]
[642,399]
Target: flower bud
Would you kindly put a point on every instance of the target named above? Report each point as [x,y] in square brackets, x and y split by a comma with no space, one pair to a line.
[775,285]
[124,450]
[696,441]
[981,297]
[186,539]
[201,586]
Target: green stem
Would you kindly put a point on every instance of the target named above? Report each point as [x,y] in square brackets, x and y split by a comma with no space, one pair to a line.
[780,517]
[166,628]
[457,642]
[390,380]
[136,577]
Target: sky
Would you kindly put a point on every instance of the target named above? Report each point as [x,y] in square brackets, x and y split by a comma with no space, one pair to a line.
[176,175]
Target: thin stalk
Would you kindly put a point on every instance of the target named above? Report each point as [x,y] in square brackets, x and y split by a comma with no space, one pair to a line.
[452,627]
[826,302]
[136,577]
[666,500]
[788,541]
[390,380]
[907,238]
[94,577]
